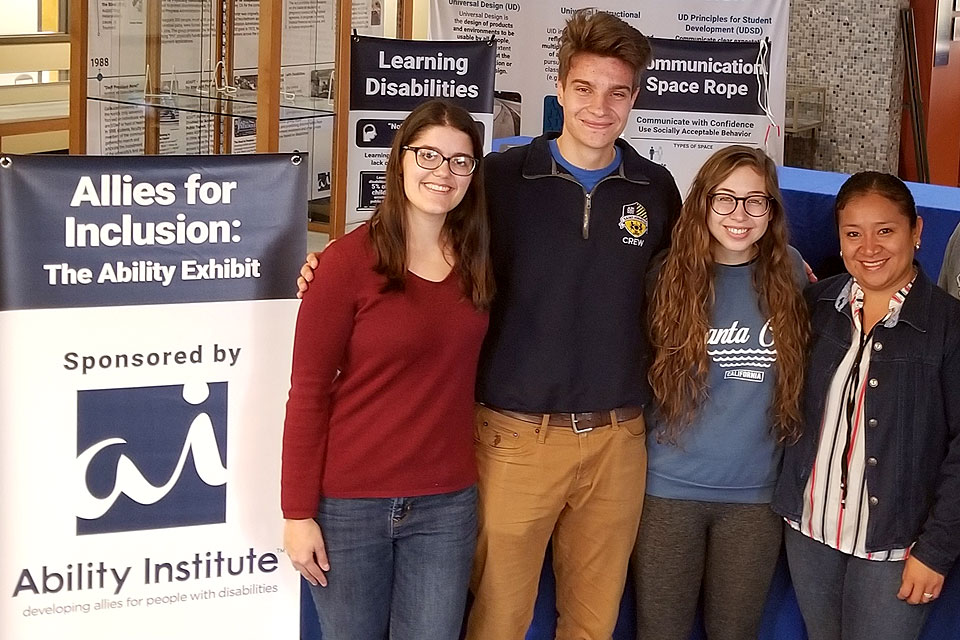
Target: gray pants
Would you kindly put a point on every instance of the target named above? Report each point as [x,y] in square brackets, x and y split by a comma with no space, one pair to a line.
[730,550]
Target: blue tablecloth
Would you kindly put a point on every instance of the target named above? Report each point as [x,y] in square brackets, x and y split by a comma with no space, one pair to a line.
[781,617]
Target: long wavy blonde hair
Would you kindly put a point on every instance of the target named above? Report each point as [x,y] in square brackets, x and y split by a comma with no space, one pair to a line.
[684,296]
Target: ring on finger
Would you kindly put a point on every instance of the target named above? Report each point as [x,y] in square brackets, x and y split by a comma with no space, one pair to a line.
[927,596]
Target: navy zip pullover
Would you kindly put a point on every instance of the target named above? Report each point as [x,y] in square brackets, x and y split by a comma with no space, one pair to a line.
[567,324]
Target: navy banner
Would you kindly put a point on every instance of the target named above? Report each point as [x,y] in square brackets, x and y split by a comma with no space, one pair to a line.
[388,79]
[102,231]
[703,76]
[397,75]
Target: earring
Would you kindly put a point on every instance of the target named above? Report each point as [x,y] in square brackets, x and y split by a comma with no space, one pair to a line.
[841,253]
[917,246]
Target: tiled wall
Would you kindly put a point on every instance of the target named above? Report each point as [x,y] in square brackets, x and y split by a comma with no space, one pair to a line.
[851,47]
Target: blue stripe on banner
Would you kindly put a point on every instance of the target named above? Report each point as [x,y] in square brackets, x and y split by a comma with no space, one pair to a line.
[84,231]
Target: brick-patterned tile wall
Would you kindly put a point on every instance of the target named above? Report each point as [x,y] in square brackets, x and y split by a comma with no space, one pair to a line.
[853,48]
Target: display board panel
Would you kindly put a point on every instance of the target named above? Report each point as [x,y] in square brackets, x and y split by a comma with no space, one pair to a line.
[388,79]
[739,93]
[146,323]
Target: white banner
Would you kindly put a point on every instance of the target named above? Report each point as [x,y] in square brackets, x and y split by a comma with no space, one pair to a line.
[679,137]
[215,390]
[146,326]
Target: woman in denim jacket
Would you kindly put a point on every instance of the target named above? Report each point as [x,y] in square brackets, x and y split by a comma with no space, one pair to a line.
[871,491]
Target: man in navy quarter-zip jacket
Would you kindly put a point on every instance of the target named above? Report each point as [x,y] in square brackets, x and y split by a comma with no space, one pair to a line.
[575,221]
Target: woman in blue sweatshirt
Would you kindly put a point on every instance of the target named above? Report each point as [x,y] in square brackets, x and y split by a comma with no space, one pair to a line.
[729,330]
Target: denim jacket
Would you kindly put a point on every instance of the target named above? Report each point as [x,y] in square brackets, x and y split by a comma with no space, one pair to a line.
[912,418]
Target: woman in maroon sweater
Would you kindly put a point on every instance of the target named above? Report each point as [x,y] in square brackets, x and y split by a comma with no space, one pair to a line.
[378,482]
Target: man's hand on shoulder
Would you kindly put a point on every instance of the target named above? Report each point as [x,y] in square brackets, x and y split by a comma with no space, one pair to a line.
[306,272]
[309,266]
[811,276]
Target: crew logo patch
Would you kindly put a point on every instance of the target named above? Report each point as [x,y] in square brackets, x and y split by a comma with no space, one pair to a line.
[151,457]
[633,219]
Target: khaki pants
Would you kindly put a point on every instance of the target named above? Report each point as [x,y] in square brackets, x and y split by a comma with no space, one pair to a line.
[586,491]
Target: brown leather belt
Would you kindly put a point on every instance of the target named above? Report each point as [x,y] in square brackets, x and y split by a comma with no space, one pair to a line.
[578,422]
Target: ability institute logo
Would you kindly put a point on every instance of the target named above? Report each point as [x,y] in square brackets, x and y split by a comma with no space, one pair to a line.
[151,457]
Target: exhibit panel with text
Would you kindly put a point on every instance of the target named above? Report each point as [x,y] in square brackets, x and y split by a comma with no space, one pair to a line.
[388,79]
[717,77]
[146,322]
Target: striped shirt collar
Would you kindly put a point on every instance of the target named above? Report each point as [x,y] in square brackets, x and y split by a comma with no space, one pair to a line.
[852,294]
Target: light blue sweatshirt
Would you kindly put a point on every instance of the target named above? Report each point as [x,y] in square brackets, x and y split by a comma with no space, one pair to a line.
[729,453]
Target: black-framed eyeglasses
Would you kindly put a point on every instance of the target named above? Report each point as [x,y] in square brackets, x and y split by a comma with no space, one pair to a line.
[724,204]
[430,159]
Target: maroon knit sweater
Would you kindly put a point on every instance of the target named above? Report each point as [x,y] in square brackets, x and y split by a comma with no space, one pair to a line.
[398,419]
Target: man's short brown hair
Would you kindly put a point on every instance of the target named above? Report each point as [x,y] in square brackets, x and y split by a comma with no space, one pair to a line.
[602,34]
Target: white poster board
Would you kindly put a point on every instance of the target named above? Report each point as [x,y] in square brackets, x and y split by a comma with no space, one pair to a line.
[146,326]
[681,136]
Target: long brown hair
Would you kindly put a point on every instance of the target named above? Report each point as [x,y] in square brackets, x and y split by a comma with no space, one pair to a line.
[684,296]
[466,229]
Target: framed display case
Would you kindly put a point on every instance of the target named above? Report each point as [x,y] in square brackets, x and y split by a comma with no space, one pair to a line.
[213,76]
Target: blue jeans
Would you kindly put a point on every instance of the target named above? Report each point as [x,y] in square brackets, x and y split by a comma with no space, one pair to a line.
[849,598]
[399,567]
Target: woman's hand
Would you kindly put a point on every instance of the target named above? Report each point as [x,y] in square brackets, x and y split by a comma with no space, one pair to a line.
[920,584]
[303,542]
